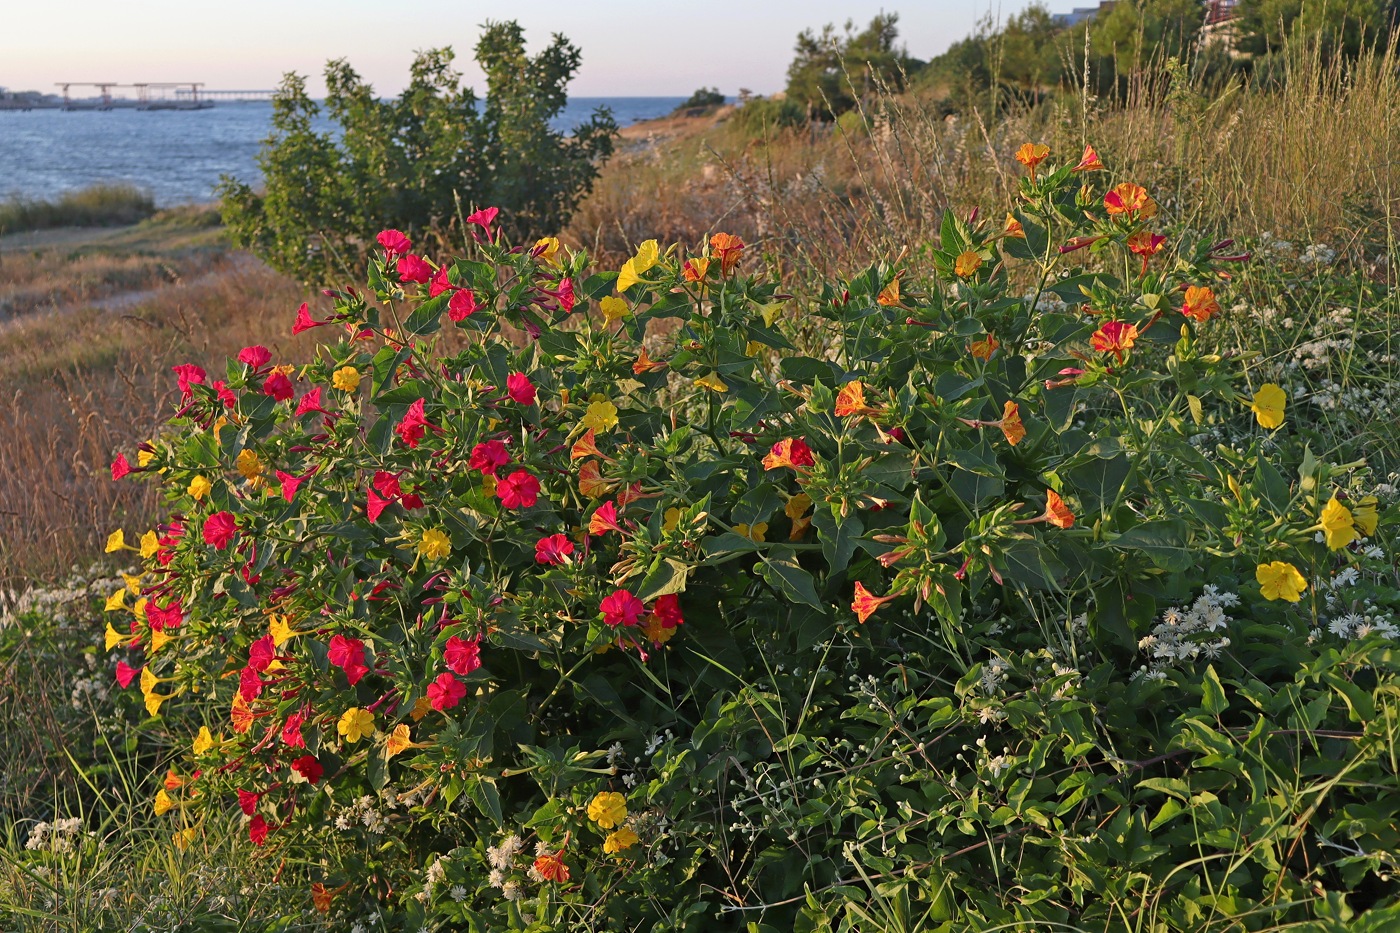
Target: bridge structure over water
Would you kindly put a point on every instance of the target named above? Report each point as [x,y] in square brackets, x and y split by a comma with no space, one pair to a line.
[149,95]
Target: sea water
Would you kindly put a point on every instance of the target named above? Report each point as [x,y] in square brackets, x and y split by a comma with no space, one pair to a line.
[179,155]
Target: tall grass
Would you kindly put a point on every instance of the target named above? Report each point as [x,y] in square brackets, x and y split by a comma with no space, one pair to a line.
[100,205]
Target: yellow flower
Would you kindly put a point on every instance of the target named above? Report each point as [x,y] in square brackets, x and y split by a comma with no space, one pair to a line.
[199,488]
[116,601]
[158,640]
[398,740]
[144,457]
[112,637]
[183,838]
[163,802]
[139,610]
[600,417]
[624,838]
[546,248]
[203,741]
[133,583]
[153,702]
[1268,405]
[797,506]
[967,264]
[1280,580]
[280,630]
[713,382]
[631,273]
[346,379]
[1337,522]
[249,464]
[627,276]
[149,545]
[421,708]
[757,532]
[753,348]
[608,809]
[116,541]
[671,519]
[355,724]
[434,544]
[1366,516]
[613,308]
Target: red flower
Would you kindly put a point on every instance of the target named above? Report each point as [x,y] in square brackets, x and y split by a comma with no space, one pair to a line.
[120,467]
[387,484]
[445,692]
[565,294]
[290,484]
[225,394]
[414,269]
[250,684]
[308,767]
[461,305]
[410,429]
[376,505]
[520,389]
[260,653]
[310,402]
[489,457]
[462,655]
[304,320]
[291,731]
[483,219]
[125,673]
[552,868]
[189,374]
[667,610]
[519,490]
[865,603]
[394,242]
[604,520]
[248,801]
[554,549]
[622,608]
[255,356]
[170,617]
[257,830]
[348,654]
[790,452]
[279,387]
[219,529]
[439,283]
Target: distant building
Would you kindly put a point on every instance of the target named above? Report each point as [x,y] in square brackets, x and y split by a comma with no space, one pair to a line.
[1081,13]
[1220,27]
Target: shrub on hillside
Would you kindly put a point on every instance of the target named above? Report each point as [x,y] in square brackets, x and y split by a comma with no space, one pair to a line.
[418,162]
[952,621]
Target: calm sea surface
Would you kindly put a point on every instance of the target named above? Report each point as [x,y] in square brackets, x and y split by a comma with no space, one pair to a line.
[179,155]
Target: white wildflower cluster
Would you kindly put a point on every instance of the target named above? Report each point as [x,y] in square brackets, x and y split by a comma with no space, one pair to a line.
[60,836]
[1318,254]
[434,876]
[67,604]
[502,858]
[369,811]
[1186,634]
[89,686]
[993,673]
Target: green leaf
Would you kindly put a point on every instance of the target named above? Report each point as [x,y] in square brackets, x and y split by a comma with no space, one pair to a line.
[837,536]
[665,576]
[1164,541]
[1213,699]
[781,571]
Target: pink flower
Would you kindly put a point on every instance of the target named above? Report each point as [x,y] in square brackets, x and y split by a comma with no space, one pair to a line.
[304,320]
[518,490]
[410,429]
[120,467]
[483,219]
[667,610]
[256,356]
[258,830]
[554,549]
[291,731]
[279,387]
[445,692]
[348,654]
[225,394]
[394,242]
[520,388]
[622,608]
[565,294]
[387,484]
[170,616]
[414,269]
[189,374]
[310,402]
[219,529]
[250,685]
[290,484]
[125,673]
[462,655]
[489,457]
[260,653]
[462,304]
[439,284]
[308,767]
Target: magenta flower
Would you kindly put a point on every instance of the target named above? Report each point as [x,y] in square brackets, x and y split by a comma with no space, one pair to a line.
[519,490]
[553,549]
[520,389]
[462,655]
[622,608]
[414,269]
[394,242]
[219,530]
[445,692]
[348,654]
[489,457]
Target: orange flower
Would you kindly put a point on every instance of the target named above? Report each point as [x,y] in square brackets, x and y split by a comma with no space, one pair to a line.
[1056,512]
[1130,199]
[865,603]
[321,896]
[1089,162]
[173,781]
[727,247]
[645,364]
[1146,244]
[591,482]
[1011,425]
[889,295]
[694,269]
[851,401]
[586,446]
[1200,304]
[241,714]
[967,264]
[1013,228]
[1030,155]
[1114,337]
[983,349]
[789,452]
[552,867]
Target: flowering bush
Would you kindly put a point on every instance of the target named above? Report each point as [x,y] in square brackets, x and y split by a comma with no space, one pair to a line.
[596,621]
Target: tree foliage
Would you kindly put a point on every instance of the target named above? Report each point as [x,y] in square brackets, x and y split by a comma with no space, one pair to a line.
[418,161]
[832,71]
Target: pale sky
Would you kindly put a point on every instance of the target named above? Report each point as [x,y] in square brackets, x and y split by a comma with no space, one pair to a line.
[659,48]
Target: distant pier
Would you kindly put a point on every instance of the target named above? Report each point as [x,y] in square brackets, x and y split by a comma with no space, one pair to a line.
[149,95]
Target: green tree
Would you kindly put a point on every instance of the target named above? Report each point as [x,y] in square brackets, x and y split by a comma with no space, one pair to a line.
[409,162]
[1345,26]
[832,71]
